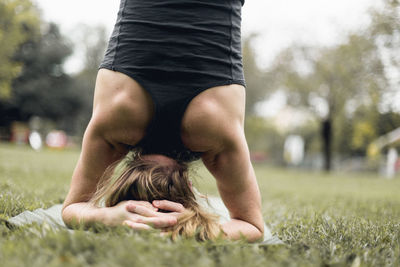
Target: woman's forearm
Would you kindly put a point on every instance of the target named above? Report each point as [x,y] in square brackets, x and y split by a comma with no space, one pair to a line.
[82,213]
[236,229]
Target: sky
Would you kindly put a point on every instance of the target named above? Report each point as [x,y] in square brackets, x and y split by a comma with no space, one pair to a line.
[278,23]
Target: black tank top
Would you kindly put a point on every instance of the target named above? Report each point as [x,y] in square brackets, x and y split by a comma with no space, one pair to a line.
[175,49]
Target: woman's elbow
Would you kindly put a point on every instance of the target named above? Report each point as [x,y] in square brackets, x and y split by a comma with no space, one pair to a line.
[256,235]
[259,236]
[66,216]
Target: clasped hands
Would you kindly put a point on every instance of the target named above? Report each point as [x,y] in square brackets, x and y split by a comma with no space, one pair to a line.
[143,215]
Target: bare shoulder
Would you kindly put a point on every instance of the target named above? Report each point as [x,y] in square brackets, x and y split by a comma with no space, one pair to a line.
[118,88]
[213,117]
[122,108]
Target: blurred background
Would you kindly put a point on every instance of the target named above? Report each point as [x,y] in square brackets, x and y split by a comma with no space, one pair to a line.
[323,78]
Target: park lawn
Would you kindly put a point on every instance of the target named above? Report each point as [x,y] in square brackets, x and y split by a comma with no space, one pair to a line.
[329,220]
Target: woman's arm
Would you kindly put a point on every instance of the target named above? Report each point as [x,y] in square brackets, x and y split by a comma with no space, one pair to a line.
[96,155]
[213,124]
[236,229]
[239,191]
[138,215]
[121,113]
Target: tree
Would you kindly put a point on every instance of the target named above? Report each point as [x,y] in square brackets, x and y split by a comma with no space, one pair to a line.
[329,80]
[43,88]
[385,30]
[256,84]
[262,136]
[92,42]
[19,20]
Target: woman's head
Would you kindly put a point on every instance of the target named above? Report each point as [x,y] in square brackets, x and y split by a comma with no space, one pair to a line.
[156,177]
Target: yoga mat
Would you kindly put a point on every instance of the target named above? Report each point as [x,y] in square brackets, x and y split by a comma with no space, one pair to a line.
[52,217]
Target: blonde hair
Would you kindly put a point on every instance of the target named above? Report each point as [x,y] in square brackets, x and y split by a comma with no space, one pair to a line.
[136,178]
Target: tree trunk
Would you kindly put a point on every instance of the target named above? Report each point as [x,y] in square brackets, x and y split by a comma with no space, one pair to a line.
[326,134]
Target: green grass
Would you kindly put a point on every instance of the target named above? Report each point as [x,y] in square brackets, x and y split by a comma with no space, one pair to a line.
[325,220]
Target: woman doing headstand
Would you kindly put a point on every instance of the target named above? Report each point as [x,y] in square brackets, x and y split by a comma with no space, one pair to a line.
[170,87]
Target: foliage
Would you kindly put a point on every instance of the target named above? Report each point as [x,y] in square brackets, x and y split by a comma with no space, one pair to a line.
[91,42]
[363,131]
[332,82]
[347,86]
[348,219]
[262,136]
[42,88]
[385,29]
[364,126]
[256,86]
[19,19]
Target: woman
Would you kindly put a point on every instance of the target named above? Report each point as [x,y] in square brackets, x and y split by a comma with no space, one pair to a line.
[171,85]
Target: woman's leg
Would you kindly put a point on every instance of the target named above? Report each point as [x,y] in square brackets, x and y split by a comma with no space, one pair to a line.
[213,124]
[122,110]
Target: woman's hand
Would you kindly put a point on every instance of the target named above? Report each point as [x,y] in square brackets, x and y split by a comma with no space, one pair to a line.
[139,215]
[174,209]
[146,216]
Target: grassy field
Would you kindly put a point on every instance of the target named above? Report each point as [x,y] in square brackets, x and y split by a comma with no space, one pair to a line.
[325,220]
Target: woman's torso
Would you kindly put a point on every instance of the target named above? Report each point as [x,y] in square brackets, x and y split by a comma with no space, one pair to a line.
[176,49]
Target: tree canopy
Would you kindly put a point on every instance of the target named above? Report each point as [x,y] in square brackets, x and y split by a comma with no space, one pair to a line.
[42,88]
[19,20]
